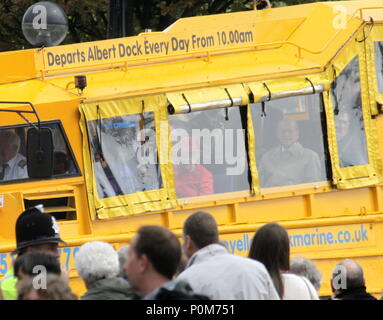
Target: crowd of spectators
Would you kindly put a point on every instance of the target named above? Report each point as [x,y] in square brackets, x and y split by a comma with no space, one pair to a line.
[155,266]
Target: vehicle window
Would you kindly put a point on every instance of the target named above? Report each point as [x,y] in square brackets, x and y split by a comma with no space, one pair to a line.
[124,154]
[379,64]
[290,141]
[208,152]
[13,162]
[350,133]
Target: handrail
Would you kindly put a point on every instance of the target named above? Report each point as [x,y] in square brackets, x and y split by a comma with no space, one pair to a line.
[328,43]
[20,112]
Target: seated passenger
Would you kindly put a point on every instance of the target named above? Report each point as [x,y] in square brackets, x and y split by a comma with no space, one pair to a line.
[61,162]
[289,163]
[351,147]
[192,179]
[13,165]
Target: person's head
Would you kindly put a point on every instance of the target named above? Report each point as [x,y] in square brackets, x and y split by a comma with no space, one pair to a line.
[37,231]
[57,288]
[200,230]
[154,256]
[271,246]
[287,132]
[96,260]
[189,154]
[346,275]
[123,256]
[35,263]
[305,267]
[9,145]
[342,124]
[61,162]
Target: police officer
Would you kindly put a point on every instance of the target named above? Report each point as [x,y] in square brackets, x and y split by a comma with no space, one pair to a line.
[13,165]
[35,231]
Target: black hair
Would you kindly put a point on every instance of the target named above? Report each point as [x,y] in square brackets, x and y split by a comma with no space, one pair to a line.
[29,260]
[271,246]
[162,248]
[202,228]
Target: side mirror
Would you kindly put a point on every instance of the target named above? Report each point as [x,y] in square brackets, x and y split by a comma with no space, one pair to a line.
[40,153]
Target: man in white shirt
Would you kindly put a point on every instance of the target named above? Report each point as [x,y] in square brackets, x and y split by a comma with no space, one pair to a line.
[13,165]
[213,271]
[351,140]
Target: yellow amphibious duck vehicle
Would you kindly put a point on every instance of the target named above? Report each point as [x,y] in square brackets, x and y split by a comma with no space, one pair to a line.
[110,109]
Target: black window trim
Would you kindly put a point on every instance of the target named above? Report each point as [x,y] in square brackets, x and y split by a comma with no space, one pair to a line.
[54,177]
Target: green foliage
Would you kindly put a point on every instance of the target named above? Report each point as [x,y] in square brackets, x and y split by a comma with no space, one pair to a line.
[88,19]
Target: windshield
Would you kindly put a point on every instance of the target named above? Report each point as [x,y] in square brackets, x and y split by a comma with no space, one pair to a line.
[13,158]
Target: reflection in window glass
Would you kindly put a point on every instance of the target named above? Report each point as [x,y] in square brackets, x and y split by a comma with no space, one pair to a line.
[124,154]
[379,64]
[350,133]
[63,162]
[290,141]
[209,154]
[13,162]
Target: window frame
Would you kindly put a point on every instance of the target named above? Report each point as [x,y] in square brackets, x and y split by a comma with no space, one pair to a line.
[360,175]
[243,119]
[323,126]
[375,35]
[138,202]
[109,155]
[68,145]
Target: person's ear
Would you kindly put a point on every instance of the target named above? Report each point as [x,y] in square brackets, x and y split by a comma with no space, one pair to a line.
[188,242]
[143,263]
[189,246]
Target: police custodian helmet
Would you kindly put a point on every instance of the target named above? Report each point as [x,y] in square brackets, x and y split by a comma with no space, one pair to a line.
[34,227]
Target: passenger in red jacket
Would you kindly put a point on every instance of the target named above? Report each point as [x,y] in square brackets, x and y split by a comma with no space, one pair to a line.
[192,180]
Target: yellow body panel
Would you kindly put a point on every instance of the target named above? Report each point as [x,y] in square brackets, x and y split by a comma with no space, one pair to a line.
[281,47]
